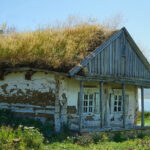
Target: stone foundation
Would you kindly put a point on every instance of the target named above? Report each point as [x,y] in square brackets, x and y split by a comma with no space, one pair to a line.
[127,133]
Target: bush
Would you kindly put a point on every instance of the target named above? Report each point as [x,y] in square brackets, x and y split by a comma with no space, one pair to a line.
[97,137]
[100,137]
[118,137]
[141,136]
[32,138]
[8,118]
[20,138]
[104,138]
[83,140]
[146,114]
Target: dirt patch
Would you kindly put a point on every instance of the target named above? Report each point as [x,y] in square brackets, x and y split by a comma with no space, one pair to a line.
[71,110]
[112,119]
[29,74]
[4,86]
[89,118]
[31,97]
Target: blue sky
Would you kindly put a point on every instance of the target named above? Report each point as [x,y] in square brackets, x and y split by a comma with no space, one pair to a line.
[29,14]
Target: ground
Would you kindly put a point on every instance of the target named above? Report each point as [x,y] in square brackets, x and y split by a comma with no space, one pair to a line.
[146,121]
[25,134]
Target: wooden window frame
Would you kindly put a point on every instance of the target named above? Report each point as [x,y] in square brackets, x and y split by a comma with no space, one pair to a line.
[88,103]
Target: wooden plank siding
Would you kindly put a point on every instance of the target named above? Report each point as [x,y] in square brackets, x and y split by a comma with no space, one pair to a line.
[114,61]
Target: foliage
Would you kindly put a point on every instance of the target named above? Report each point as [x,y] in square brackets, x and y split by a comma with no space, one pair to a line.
[83,140]
[55,48]
[146,114]
[118,137]
[20,138]
[9,119]
[131,144]
[146,118]
[29,135]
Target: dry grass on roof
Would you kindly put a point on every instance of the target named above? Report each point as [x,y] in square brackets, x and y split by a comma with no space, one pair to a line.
[55,49]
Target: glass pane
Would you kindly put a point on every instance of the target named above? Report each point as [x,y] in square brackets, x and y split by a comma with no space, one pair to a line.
[85,96]
[115,103]
[91,96]
[119,104]
[119,108]
[90,109]
[115,97]
[90,103]
[115,109]
[85,109]
[85,103]
[120,98]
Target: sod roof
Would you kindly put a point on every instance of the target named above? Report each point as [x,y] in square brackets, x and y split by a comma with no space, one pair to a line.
[54,49]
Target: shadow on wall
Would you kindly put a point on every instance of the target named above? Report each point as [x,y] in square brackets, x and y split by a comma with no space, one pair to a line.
[8,118]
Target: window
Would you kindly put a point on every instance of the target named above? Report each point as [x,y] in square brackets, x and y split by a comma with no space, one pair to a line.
[118,102]
[88,103]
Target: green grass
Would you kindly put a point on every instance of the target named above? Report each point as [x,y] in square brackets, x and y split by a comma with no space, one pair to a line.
[52,48]
[146,119]
[138,144]
[29,138]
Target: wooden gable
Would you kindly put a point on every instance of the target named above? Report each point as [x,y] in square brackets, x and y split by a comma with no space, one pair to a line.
[117,57]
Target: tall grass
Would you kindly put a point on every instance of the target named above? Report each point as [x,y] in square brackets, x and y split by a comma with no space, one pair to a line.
[55,48]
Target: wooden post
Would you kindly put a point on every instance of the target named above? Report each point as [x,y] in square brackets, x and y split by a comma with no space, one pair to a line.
[142,107]
[101,104]
[57,107]
[80,106]
[124,105]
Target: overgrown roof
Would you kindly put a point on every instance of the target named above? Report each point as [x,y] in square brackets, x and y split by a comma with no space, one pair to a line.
[53,49]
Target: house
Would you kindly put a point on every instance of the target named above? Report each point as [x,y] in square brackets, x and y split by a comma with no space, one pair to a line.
[100,92]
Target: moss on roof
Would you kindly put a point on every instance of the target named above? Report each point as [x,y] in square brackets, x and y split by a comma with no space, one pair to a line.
[53,49]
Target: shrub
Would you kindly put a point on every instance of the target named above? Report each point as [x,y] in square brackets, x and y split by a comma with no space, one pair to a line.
[118,137]
[104,138]
[96,137]
[141,136]
[32,138]
[8,118]
[83,140]
[146,114]
[20,138]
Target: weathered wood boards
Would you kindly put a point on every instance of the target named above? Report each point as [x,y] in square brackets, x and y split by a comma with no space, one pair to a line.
[117,57]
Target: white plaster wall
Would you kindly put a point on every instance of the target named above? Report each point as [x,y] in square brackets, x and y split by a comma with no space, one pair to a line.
[16,81]
[67,87]
[74,88]
[39,81]
[130,108]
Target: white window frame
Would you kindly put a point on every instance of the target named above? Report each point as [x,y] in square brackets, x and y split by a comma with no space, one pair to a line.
[88,103]
[118,92]
[118,103]
[95,101]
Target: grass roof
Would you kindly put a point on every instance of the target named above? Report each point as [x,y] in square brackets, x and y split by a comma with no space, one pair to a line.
[57,49]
